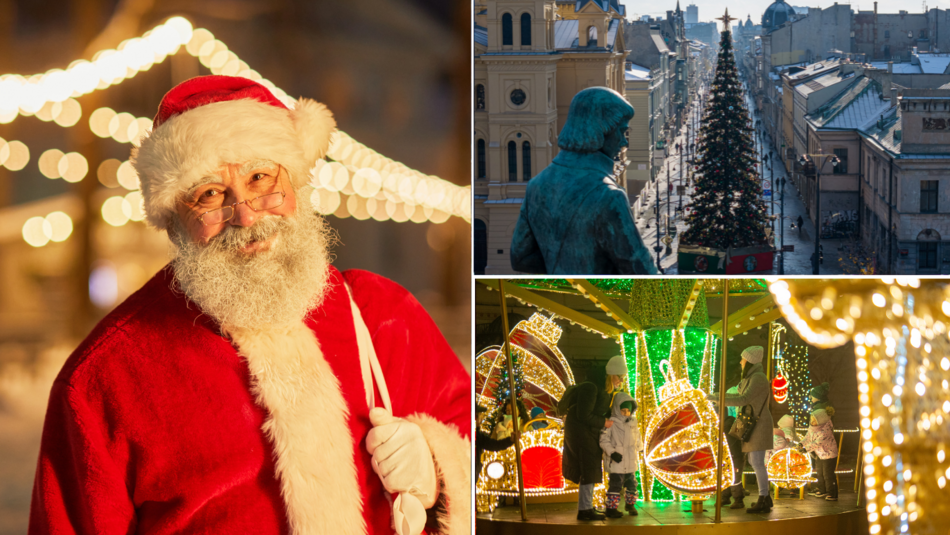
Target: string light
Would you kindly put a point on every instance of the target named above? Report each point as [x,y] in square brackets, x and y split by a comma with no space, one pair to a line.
[56,227]
[680,436]
[896,325]
[384,189]
[790,469]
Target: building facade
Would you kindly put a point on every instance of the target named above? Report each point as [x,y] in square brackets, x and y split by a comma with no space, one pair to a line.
[529,64]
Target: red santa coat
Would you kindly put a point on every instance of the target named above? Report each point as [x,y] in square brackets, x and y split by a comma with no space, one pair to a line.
[154,424]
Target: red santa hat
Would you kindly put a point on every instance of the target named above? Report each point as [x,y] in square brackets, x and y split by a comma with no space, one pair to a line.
[209,121]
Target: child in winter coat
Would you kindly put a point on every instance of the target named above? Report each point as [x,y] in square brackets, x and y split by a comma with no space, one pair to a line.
[622,444]
[821,440]
[787,425]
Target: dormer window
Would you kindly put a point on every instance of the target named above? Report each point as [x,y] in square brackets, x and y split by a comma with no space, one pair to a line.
[592,36]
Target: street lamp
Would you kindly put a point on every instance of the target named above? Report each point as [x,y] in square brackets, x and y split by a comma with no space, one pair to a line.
[806,162]
[781,185]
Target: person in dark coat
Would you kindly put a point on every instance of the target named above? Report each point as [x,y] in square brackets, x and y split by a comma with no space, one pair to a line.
[754,390]
[586,405]
[736,491]
[484,442]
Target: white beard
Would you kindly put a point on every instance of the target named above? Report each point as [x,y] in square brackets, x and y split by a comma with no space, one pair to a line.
[278,287]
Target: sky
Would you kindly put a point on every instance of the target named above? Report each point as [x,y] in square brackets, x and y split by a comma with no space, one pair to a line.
[712,9]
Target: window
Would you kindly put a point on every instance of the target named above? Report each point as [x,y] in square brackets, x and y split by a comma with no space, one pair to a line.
[480,252]
[481,159]
[506,30]
[927,255]
[512,162]
[842,167]
[526,160]
[479,97]
[887,34]
[928,196]
[923,34]
[591,36]
[525,29]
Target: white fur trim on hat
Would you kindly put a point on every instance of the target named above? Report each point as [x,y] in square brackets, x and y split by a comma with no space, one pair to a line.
[193,145]
[617,366]
[753,355]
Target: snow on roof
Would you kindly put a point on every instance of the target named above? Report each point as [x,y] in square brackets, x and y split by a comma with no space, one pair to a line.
[899,68]
[934,63]
[858,107]
[636,72]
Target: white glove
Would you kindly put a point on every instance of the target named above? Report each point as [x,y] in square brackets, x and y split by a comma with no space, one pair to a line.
[403,462]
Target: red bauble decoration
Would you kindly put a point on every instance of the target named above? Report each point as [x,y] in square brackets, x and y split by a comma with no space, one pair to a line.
[780,388]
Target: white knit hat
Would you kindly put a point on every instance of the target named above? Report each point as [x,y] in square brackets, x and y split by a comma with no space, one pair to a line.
[786,421]
[753,355]
[617,366]
[209,121]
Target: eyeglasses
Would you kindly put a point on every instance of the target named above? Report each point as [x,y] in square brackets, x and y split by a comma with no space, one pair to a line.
[263,202]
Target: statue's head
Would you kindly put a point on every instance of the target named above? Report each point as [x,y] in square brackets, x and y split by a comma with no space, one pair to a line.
[596,122]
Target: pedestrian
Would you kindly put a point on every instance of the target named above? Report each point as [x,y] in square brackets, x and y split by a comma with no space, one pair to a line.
[821,440]
[754,392]
[616,370]
[800,223]
[622,446]
[787,425]
[585,405]
[735,491]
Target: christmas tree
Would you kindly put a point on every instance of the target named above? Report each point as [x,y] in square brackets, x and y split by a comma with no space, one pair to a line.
[726,210]
[503,391]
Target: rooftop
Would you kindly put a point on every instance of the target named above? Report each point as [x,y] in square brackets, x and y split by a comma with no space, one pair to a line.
[636,72]
[857,107]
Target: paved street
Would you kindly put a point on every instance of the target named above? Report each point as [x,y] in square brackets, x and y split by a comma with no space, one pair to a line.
[803,240]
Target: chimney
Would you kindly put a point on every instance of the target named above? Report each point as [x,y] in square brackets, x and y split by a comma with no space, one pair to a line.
[890,67]
[893,96]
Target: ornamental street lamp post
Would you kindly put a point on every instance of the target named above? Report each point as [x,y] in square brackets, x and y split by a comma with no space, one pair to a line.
[819,161]
[656,218]
[781,184]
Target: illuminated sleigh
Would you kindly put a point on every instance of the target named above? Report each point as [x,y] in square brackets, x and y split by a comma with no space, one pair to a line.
[546,377]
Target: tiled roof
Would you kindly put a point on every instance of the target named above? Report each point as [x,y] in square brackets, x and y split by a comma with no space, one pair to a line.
[612,33]
[565,33]
[883,133]
[481,35]
[857,107]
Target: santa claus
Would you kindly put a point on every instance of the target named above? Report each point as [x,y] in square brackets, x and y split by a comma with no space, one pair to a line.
[250,387]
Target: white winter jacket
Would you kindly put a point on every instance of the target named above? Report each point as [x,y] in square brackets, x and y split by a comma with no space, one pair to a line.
[623,437]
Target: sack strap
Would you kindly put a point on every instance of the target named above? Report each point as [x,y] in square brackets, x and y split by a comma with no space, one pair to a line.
[369,364]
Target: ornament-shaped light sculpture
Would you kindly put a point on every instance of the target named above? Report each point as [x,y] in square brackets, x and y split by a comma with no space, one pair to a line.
[681,438]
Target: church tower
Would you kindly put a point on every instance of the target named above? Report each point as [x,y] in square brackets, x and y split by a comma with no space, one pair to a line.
[515,129]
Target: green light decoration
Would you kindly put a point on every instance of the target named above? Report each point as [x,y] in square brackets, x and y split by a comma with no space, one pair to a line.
[700,345]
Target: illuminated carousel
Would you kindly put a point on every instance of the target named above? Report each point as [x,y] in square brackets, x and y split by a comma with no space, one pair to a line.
[663,330]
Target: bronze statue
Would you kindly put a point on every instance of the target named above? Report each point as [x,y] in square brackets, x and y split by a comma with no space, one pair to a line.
[574,218]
